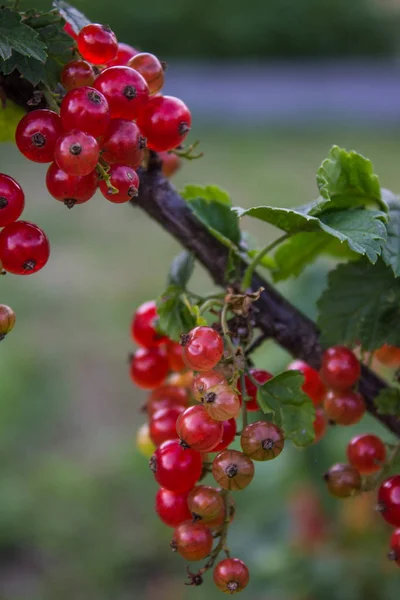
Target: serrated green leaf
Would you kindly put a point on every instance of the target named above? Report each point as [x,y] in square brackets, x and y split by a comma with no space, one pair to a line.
[388,402]
[391,250]
[59,52]
[291,409]
[30,68]
[219,219]
[175,316]
[71,14]
[361,305]
[208,192]
[181,269]
[18,37]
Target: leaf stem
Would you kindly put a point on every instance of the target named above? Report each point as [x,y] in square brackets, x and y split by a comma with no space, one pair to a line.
[225,329]
[208,304]
[102,172]
[50,99]
[248,274]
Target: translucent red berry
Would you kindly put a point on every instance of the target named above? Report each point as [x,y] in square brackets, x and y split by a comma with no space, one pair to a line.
[221,402]
[165,121]
[231,575]
[193,541]
[166,396]
[172,507]
[77,73]
[367,453]
[320,424]
[340,368]
[262,441]
[312,386]
[203,348]
[228,435]
[76,153]
[205,503]
[163,424]
[85,109]
[261,377]
[124,54]
[202,382]
[344,408]
[97,43]
[125,89]
[70,189]
[388,356]
[198,430]
[394,553]
[37,133]
[123,143]
[12,200]
[233,470]
[175,358]
[151,70]
[7,320]
[171,163]
[176,468]
[389,500]
[70,30]
[149,368]
[143,326]
[24,248]
[343,480]
[125,180]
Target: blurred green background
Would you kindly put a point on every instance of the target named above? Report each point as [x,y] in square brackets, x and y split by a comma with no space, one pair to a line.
[76,499]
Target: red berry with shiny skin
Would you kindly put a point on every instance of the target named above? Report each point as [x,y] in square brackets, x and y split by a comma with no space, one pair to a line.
[312,386]
[149,367]
[76,74]
[151,70]
[76,153]
[198,430]
[123,143]
[85,109]
[394,553]
[344,408]
[231,575]
[367,453]
[37,133]
[343,480]
[175,468]
[205,503]
[124,54]
[12,200]
[320,424]
[261,377]
[125,89]
[163,424]
[202,382]
[228,435]
[24,248]
[203,348]
[340,368]
[221,403]
[389,500]
[175,358]
[165,121]
[97,43]
[193,541]
[166,396]
[125,180]
[70,30]
[70,189]
[143,326]
[172,507]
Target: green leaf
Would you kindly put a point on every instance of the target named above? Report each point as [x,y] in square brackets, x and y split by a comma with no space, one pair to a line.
[175,315]
[388,402]
[72,15]
[30,68]
[297,252]
[208,192]
[18,37]
[361,305]
[219,220]
[290,407]
[391,250]
[181,269]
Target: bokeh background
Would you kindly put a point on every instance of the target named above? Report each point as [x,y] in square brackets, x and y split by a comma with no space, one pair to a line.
[272,86]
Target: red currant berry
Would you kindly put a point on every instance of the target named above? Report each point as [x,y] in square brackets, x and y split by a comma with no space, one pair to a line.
[12,200]
[97,43]
[171,163]
[202,382]
[198,430]
[149,367]
[76,153]
[125,89]
[231,575]
[232,470]
[344,408]
[251,389]
[143,327]
[312,386]
[320,424]
[124,54]
[343,480]
[175,358]
[203,348]
[150,69]
[68,188]
[205,504]
[70,30]
[388,356]
[228,435]
[24,248]
[221,403]
[123,143]
[193,541]
[367,453]
[262,441]
[163,424]
[340,368]
[7,320]
[166,396]
[76,74]
[85,109]
[176,468]
[165,121]
[389,500]
[125,180]
[394,553]
[172,507]
[37,133]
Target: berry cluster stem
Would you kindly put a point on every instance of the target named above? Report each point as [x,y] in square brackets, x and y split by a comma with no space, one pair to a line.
[221,546]
[248,274]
